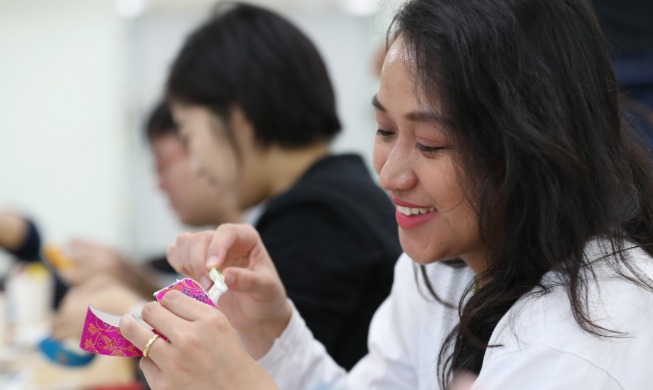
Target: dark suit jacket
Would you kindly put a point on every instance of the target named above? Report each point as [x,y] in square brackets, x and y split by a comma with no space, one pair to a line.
[333,238]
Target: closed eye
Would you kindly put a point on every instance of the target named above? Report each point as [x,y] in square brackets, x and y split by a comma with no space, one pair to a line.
[429,150]
[384,133]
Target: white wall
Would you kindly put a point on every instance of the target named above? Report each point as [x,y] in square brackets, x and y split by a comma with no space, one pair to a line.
[62,130]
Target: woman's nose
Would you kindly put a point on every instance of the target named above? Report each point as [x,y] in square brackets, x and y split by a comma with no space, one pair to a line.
[397,172]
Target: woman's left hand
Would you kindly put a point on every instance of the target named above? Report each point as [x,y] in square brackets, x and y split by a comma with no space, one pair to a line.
[203,351]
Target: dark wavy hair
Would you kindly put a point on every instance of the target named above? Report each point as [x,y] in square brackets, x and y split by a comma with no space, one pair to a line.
[532,107]
[251,57]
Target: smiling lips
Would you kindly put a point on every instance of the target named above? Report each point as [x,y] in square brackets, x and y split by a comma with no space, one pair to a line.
[414,210]
[412,217]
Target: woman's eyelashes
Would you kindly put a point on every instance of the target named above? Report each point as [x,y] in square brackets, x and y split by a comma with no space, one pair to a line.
[384,133]
[428,151]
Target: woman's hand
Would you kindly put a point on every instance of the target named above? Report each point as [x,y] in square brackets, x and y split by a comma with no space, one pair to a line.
[203,351]
[256,303]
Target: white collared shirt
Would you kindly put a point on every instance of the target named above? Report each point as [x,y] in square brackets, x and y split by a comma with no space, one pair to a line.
[543,346]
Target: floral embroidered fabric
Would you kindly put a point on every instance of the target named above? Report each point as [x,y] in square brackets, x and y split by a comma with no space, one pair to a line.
[102,335]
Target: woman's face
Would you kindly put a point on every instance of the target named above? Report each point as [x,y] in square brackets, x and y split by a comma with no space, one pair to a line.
[415,164]
[192,198]
[211,154]
[228,155]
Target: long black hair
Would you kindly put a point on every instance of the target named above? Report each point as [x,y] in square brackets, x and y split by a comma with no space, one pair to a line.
[533,112]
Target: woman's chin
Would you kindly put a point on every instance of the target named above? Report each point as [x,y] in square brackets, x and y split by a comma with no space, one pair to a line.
[416,249]
[420,256]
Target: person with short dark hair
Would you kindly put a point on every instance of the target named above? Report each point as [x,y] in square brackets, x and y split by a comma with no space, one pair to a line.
[255,105]
[525,210]
[101,273]
[250,58]
[194,201]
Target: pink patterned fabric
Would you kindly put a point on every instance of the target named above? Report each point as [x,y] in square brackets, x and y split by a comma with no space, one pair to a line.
[190,288]
[103,336]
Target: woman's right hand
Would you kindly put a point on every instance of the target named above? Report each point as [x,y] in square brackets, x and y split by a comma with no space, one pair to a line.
[256,303]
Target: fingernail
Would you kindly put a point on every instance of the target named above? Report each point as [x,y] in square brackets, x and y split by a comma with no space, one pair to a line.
[170,296]
[127,317]
[212,261]
[229,280]
[205,282]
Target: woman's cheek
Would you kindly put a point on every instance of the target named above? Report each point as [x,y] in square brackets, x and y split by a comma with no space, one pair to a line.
[380,155]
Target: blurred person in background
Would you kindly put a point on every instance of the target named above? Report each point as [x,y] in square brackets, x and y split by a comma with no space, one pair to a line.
[19,236]
[108,279]
[257,110]
[194,202]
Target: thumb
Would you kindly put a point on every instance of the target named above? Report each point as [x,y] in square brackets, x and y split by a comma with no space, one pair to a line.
[243,280]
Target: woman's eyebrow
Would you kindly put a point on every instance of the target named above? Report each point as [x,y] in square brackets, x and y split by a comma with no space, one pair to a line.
[377,104]
[418,116]
[422,117]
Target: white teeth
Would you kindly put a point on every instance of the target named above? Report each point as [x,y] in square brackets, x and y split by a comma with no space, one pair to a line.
[414,210]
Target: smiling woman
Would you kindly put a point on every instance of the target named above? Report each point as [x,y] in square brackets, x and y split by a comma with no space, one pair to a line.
[501,143]
[410,146]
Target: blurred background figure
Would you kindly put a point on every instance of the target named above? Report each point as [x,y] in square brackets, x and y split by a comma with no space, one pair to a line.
[193,200]
[19,236]
[628,25]
[111,281]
